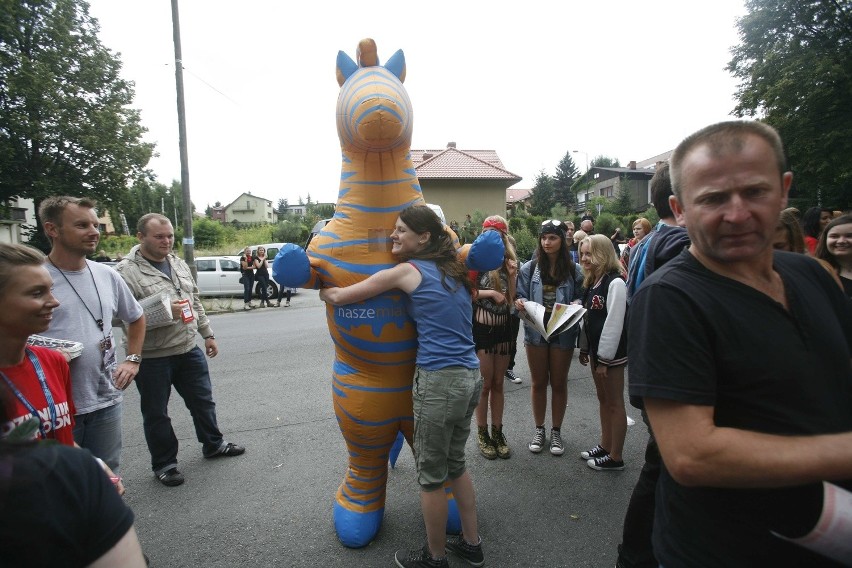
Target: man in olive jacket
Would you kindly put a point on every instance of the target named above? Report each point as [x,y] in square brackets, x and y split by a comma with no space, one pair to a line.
[170,355]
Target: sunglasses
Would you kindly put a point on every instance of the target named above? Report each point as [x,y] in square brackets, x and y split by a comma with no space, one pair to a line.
[554,222]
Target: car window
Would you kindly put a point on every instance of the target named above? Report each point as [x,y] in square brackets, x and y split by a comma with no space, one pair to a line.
[271,253]
[206,265]
[229,265]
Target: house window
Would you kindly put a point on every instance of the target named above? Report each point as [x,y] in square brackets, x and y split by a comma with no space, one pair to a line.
[606,191]
[248,204]
[596,176]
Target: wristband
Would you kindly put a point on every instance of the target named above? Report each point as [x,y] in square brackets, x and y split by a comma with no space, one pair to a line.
[210,337]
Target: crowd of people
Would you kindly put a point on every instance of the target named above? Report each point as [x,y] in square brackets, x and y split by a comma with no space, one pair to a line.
[733,312]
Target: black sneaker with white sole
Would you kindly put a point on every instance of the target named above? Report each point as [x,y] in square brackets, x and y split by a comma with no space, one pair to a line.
[596,452]
[511,376]
[605,463]
[537,442]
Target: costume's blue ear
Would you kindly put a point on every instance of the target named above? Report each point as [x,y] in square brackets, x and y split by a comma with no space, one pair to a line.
[396,65]
[345,67]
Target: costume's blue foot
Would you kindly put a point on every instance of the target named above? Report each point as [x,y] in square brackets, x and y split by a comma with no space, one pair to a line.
[356,530]
[453,518]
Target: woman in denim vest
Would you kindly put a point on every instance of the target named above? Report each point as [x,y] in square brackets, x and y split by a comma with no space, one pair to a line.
[551,277]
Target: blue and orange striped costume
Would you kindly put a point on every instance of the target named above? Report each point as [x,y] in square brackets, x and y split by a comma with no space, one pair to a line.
[375,341]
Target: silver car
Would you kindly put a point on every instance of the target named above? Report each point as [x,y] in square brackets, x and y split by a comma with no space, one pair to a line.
[218,276]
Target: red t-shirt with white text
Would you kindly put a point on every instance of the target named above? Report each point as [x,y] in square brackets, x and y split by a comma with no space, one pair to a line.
[58,377]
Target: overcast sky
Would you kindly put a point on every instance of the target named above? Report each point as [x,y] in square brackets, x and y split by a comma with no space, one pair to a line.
[530,80]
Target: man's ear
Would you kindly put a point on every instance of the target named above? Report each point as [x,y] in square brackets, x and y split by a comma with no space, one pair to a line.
[140,236]
[677,209]
[51,229]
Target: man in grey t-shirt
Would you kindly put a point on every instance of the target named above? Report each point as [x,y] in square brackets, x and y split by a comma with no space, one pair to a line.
[90,296]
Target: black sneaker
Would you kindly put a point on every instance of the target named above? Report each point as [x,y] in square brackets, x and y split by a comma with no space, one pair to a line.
[511,376]
[556,446]
[538,440]
[470,553]
[596,452]
[605,463]
[419,558]
[227,451]
[171,477]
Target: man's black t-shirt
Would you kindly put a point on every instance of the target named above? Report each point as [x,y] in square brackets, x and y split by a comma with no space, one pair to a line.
[709,340]
[57,507]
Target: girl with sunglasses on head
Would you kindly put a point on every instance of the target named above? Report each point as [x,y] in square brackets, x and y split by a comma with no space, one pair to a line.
[551,277]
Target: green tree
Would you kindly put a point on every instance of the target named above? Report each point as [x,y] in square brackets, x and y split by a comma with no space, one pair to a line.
[290,231]
[566,174]
[207,233]
[324,211]
[604,162]
[796,74]
[282,207]
[623,203]
[65,122]
[542,197]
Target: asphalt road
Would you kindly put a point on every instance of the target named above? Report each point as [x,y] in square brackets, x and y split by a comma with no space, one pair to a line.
[273,505]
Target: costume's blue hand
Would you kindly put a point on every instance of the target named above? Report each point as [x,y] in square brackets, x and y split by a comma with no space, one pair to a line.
[291,267]
[486,252]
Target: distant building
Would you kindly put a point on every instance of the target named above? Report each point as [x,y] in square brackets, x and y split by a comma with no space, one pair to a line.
[247,208]
[518,198]
[17,216]
[608,182]
[463,181]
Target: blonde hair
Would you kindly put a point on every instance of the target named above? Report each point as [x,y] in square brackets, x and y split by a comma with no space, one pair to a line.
[604,259]
[13,257]
[579,236]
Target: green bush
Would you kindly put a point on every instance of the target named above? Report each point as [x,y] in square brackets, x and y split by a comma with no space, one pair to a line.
[290,232]
[525,244]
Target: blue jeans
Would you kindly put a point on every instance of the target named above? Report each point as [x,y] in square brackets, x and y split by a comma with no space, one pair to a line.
[264,292]
[191,378]
[100,433]
[248,283]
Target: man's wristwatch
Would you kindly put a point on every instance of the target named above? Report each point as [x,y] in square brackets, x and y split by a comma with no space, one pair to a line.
[134,358]
[210,337]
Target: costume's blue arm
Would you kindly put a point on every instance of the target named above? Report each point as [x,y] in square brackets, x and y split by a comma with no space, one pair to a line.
[291,268]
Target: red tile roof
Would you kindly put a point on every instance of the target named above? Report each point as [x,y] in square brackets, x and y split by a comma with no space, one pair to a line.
[515,195]
[452,163]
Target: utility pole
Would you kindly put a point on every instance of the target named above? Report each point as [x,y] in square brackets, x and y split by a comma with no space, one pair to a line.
[188,240]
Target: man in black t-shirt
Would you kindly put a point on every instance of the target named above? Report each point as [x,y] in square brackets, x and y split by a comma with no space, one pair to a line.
[743,362]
